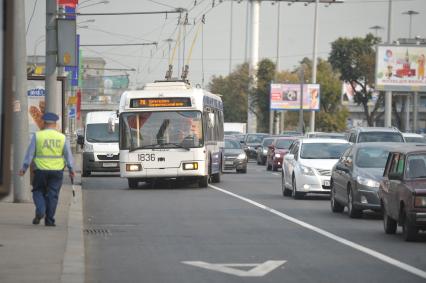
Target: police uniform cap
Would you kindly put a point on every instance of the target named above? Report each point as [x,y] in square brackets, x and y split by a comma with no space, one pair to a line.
[50,117]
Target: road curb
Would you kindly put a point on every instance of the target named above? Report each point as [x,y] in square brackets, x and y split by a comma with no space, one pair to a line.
[73,267]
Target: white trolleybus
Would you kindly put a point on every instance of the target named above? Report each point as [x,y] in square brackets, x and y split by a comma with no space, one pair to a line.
[170,130]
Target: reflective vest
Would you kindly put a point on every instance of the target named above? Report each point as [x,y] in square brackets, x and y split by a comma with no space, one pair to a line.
[49,150]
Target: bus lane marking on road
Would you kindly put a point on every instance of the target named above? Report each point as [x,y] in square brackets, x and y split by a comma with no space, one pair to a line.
[371,252]
[257,270]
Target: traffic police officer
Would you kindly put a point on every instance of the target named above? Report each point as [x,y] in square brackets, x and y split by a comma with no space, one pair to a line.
[50,152]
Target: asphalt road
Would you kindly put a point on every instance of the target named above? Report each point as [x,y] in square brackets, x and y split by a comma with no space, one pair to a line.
[166,232]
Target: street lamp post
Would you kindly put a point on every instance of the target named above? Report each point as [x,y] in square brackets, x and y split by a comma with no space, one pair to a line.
[314,62]
[388,94]
[302,81]
[376,28]
[410,13]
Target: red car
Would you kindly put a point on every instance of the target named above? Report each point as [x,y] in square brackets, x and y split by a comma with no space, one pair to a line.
[276,152]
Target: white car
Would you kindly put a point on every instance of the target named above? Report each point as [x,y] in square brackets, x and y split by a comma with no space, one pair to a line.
[307,166]
[416,138]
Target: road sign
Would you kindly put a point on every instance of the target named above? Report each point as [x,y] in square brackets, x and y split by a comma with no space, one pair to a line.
[257,270]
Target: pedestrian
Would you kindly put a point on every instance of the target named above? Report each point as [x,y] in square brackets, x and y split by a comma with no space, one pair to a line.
[50,152]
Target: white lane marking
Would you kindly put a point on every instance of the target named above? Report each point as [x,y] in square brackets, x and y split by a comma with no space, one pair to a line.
[276,174]
[258,270]
[373,253]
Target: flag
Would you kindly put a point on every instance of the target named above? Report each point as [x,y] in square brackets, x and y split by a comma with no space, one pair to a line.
[71,3]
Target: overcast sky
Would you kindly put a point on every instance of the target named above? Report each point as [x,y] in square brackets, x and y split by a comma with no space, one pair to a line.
[350,19]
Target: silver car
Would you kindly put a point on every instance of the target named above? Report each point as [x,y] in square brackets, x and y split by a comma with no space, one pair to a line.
[307,166]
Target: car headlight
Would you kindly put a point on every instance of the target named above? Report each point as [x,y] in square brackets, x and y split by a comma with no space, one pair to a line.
[367,182]
[88,147]
[265,151]
[306,170]
[241,156]
[277,155]
[420,201]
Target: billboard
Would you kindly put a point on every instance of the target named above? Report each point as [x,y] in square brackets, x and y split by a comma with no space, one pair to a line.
[348,94]
[36,102]
[287,97]
[400,68]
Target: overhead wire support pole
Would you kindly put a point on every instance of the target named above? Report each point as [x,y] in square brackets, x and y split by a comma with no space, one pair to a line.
[230,37]
[52,99]
[20,116]
[388,94]
[254,60]
[314,62]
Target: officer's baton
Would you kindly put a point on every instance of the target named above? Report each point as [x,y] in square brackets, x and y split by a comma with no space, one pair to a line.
[73,188]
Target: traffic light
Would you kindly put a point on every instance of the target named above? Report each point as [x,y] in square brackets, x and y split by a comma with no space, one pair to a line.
[6,91]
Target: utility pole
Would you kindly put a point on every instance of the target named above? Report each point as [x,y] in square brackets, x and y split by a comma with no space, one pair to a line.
[314,62]
[20,117]
[274,126]
[388,94]
[302,81]
[246,49]
[230,39]
[52,96]
[254,60]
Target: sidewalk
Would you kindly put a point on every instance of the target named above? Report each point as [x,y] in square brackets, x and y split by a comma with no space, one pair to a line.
[36,253]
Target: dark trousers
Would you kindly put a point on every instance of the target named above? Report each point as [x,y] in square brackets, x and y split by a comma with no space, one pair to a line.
[46,187]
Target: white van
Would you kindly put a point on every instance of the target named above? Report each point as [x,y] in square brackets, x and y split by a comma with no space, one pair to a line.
[100,143]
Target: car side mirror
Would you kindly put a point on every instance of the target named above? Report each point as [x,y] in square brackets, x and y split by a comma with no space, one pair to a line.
[289,157]
[395,176]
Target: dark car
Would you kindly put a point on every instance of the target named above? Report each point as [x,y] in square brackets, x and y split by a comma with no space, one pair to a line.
[276,152]
[251,142]
[356,176]
[403,191]
[234,157]
[262,150]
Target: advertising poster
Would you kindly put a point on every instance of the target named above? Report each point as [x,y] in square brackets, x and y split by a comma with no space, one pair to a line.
[348,94]
[287,97]
[400,68]
[37,105]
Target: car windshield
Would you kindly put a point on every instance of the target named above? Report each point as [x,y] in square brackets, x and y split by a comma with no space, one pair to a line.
[232,144]
[161,129]
[371,157]
[322,150]
[255,138]
[380,137]
[267,142]
[283,144]
[416,166]
[101,133]
[415,139]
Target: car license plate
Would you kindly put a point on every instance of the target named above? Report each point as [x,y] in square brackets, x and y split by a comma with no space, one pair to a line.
[327,183]
[109,164]
[230,162]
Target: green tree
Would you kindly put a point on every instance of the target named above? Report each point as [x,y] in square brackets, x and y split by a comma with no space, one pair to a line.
[261,95]
[234,90]
[355,60]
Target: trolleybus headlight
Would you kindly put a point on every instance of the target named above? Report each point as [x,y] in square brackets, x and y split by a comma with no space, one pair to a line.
[190,166]
[133,167]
